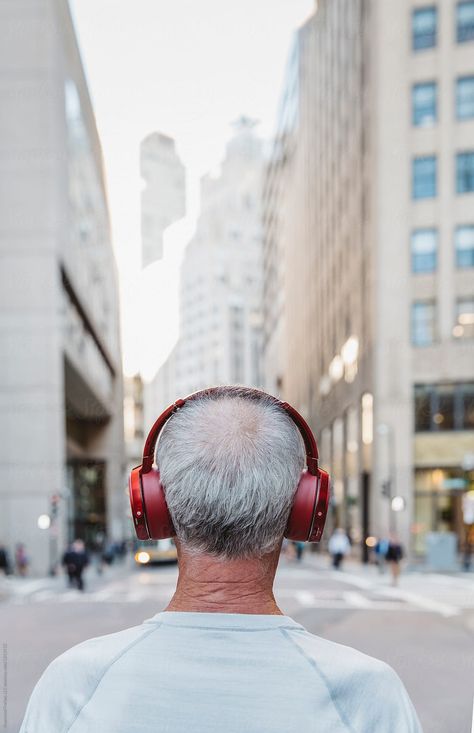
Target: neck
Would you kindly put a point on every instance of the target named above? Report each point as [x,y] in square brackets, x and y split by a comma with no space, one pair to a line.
[208,584]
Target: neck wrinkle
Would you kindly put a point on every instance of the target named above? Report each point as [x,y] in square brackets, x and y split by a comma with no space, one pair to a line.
[207,584]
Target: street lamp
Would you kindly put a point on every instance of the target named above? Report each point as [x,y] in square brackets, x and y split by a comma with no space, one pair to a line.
[398,503]
[44,521]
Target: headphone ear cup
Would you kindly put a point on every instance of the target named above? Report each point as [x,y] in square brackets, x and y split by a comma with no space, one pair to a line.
[301,515]
[322,506]
[136,504]
[158,518]
[309,509]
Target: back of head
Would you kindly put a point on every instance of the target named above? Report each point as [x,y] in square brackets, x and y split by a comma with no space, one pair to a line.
[230,463]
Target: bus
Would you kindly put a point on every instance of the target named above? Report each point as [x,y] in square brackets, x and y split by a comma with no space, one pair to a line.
[150,552]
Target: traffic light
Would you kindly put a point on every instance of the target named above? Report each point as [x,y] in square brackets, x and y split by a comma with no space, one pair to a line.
[386,489]
[55,499]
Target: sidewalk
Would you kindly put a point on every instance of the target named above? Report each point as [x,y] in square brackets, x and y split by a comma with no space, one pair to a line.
[355,565]
[448,594]
[13,585]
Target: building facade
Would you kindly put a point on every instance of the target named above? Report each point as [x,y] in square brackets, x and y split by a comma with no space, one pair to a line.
[61,447]
[379,279]
[278,203]
[220,330]
[133,420]
[164,194]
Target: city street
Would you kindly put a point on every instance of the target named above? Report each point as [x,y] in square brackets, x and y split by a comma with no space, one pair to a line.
[424,628]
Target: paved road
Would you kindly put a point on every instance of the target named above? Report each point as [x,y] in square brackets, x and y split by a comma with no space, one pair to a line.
[424,628]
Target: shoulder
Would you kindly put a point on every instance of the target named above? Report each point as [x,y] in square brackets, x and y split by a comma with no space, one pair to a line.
[70,680]
[336,660]
[366,691]
[90,657]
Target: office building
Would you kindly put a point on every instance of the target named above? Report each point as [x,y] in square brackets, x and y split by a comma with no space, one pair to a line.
[164,194]
[220,330]
[61,430]
[378,260]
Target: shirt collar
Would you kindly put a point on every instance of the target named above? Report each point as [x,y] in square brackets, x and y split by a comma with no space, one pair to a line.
[243,621]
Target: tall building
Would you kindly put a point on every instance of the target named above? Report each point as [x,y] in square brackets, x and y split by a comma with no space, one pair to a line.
[378,260]
[164,193]
[160,391]
[133,420]
[61,430]
[278,195]
[220,329]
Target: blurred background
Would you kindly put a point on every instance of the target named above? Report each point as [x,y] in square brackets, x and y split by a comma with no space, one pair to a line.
[277,194]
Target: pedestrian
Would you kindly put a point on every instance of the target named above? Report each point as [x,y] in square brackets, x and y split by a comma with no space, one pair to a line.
[5,566]
[75,559]
[21,559]
[380,550]
[298,550]
[108,553]
[468,545]
[122,550]
[99,547]
[338,546]
[393,556]
[222,655]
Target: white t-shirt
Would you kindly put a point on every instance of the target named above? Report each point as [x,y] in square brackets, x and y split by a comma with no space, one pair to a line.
[218,673]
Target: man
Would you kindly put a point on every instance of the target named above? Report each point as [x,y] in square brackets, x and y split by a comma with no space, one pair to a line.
[380,550]
[338,547]
[222,656]
[4,560]
[75,560]
[393,556]
[21,560]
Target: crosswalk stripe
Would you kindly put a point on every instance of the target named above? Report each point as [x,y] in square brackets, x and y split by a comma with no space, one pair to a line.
[415,599]
[305,598]
[357,599]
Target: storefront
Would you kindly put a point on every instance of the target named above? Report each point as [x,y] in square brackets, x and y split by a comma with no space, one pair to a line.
[87,516]
[439,502]
[443,462]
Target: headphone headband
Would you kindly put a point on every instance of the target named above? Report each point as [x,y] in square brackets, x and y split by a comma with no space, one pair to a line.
[303,427]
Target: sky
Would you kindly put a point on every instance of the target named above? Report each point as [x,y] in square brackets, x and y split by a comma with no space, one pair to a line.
[188,68]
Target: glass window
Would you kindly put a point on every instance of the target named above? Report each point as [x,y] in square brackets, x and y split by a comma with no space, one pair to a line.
[424,177]
[423,322]
[424,106]
[465,22]
[423,521]
[464,242]
[443,407]
[467,396]
[465,172]
[424,22]
[423,395]
[423,250]
[464,323]
[465,97]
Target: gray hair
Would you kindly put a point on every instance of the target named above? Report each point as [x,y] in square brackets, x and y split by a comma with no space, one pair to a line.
[230,462]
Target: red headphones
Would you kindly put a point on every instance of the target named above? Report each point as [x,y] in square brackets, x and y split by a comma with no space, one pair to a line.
[150,513]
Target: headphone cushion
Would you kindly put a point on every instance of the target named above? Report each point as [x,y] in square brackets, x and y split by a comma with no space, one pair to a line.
[299,527]
[158,518]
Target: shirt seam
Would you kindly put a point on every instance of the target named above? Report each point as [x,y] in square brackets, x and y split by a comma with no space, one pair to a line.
[313,664]
[145,635]
[230,628]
